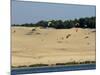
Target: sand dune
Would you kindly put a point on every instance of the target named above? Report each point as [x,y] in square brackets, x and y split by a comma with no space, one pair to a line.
[50,46]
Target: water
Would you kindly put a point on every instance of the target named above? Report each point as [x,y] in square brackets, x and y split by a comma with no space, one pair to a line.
[52,69]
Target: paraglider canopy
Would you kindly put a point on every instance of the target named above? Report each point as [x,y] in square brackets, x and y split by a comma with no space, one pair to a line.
[77,25]
[49,23]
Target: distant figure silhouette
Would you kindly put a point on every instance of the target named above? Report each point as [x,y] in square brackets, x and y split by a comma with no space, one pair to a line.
[14,31]
[76,29]
[33,29]
[77,25]
[68,35]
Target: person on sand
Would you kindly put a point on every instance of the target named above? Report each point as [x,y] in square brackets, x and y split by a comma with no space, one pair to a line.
[76,25]
[33,29]
[76,29]
[68,36]
[14,31]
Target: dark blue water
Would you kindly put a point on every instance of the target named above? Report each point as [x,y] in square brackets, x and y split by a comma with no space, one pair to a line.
[52,69]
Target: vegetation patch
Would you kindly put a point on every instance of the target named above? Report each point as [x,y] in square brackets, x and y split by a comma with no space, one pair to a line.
[86,22]
[57,64]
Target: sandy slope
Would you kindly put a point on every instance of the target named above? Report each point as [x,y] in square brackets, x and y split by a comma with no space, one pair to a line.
[51,46]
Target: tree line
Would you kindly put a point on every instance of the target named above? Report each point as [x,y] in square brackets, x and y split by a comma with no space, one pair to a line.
[86,22]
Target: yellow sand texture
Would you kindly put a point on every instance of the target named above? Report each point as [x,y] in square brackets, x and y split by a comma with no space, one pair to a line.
[49,46]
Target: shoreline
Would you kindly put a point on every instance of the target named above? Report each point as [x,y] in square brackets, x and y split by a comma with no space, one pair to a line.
[30,70]
[56,65]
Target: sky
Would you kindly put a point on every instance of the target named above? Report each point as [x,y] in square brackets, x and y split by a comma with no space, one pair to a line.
[32,12]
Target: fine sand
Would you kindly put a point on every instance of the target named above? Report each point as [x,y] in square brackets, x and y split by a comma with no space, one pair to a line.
[51,46]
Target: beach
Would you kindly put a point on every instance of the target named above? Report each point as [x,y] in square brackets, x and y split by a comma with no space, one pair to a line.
[35,45]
